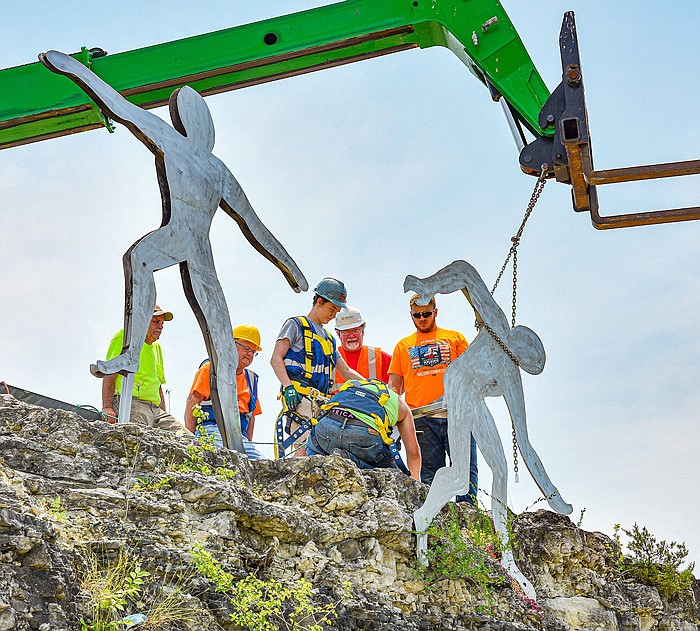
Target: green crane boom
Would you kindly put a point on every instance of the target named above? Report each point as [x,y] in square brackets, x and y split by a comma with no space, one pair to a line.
[37,105]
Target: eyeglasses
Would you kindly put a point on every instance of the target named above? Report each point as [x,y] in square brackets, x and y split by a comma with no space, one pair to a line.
[421,314]
[246,349]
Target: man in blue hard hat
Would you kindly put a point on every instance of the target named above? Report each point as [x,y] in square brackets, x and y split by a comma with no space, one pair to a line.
[304,358]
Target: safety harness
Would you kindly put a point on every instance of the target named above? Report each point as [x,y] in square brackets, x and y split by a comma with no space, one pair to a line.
[317,399]
[312,384]
[354,395]
[302,366]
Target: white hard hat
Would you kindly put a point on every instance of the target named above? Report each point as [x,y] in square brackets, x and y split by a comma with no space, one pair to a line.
[348,318]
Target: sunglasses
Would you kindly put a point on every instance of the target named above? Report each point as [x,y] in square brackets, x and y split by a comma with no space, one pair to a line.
[421,314]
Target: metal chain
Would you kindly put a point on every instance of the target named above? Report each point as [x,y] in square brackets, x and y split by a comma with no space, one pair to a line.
[515,457]
[513,252]
[501,343]
[515,287]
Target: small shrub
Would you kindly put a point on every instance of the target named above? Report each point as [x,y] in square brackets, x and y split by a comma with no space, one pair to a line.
[469,553]
[56,510]
[266,605]
[196,458]
[109,589]
[149,484]
[653,562]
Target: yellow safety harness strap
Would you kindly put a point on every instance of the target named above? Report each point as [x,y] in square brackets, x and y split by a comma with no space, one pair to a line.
[382,396]
[326,345]
[308,347]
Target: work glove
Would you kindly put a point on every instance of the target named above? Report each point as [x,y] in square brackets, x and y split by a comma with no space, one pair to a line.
[292,398]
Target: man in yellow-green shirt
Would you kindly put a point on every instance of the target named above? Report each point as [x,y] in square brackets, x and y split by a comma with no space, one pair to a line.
[148,404]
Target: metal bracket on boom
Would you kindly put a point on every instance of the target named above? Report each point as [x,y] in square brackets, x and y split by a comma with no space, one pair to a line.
[85,58]
[570,154]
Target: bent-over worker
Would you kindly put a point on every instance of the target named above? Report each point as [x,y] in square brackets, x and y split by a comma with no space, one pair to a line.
[357,424]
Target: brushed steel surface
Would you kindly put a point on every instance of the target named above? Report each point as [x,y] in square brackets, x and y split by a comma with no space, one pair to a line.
[193,184]
[484,370]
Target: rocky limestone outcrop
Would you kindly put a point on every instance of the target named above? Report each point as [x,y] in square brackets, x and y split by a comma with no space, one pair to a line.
[68,486]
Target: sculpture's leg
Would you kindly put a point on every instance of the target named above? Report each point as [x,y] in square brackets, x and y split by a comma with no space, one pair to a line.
[421,543]
[489,442]
[448,482]
[150,253]
[206,298]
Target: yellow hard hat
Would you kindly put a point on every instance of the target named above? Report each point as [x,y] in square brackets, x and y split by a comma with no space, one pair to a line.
[249,333]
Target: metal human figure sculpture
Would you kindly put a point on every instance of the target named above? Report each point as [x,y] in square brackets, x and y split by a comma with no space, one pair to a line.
[193,184]
[485,369]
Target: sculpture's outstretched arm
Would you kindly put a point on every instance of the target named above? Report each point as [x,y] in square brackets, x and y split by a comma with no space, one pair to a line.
[461,276]
[236,204]
[147,127]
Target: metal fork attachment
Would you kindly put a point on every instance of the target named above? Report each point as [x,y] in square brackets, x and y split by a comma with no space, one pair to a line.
[568,155]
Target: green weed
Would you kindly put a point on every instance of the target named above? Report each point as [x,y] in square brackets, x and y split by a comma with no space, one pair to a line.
[266,605]
[56,510]
[148,484]
[196,460]
[465,551]
[112,590]
[109,589]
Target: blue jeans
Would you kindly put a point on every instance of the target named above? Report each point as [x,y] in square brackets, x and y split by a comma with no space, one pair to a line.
[434,446]
[363,445]
[212,429]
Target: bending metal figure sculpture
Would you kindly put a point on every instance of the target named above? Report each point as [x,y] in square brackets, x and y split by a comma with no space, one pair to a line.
[486,369]
[193,184]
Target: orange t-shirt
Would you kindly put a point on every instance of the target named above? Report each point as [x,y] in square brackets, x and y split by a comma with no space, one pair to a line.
[202,386]
[422,359]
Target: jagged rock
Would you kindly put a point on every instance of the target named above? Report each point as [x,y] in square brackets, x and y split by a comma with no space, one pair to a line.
[69,486]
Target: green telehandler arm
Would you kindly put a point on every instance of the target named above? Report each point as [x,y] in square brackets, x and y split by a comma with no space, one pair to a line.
[36,104]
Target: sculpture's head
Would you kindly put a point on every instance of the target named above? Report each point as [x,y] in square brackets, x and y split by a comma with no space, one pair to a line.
[525,344]
[192,118]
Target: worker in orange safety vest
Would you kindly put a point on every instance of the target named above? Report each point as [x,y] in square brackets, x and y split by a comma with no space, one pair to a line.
[370,361]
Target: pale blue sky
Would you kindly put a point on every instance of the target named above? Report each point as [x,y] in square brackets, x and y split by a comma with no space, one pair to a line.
[385,168]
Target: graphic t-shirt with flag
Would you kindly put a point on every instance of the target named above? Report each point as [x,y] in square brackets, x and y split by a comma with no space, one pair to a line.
[422,359]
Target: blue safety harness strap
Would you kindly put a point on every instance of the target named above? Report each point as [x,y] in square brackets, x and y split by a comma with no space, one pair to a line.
[252,381]
[398,461]
[284,443]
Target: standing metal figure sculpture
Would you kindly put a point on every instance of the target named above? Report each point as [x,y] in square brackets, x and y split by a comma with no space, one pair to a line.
[490,367]
[193,184]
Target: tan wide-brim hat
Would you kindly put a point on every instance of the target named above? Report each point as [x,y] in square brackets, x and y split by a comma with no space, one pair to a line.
[167,316]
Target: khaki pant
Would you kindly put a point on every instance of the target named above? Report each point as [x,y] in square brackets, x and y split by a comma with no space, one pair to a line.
[150,415]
